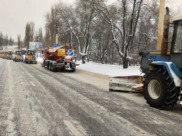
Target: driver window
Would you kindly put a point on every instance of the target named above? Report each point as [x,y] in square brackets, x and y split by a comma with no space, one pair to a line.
[178,42]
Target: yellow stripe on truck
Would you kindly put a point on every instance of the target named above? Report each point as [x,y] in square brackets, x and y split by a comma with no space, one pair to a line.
[18,56]
[158,53]
[29,57]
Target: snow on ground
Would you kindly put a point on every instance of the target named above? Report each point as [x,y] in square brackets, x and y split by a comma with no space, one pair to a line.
[39,59]
[106,69]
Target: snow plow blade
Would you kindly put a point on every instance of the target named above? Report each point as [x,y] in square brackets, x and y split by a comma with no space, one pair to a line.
[126,83]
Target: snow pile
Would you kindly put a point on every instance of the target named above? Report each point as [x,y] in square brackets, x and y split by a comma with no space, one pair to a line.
[107,69]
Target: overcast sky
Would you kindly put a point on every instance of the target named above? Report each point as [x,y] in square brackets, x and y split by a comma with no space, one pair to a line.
[14,14]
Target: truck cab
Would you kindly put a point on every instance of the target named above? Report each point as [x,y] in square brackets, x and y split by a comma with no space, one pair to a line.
[9,55]
[30,57]
[17,55]
[4,54]
[1,52]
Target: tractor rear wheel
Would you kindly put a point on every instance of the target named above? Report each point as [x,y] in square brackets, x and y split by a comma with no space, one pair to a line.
[160,90]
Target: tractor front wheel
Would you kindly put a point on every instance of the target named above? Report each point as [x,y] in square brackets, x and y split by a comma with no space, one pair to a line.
[159,89]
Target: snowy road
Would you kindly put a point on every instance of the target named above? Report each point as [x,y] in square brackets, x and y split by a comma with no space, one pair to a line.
[35,102]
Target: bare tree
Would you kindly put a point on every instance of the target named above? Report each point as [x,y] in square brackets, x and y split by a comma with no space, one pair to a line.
[126,25]
[81,24]
[1,39]
[19,41]
[6,40]
[29,33]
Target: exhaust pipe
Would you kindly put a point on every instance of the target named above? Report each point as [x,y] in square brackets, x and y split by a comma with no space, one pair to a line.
[164,46]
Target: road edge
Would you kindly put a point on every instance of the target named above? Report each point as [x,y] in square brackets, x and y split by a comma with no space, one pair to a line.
[98,75]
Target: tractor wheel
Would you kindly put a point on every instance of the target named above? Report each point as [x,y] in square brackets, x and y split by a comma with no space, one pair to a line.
[160,90]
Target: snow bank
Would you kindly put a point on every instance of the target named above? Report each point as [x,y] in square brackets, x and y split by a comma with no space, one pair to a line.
[105,69]
[110,70]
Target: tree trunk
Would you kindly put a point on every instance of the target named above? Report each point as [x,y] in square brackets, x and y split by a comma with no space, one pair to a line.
[125,63]
[83,59]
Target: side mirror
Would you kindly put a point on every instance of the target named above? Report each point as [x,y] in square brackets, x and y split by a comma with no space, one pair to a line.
[140,53]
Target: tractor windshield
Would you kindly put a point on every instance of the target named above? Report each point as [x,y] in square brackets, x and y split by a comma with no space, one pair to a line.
[30,52]
[178,38]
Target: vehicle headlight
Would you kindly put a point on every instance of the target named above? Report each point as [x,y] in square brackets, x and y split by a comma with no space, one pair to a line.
[73,59]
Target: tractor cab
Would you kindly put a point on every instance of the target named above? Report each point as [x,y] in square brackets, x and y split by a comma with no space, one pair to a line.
[175,54]
[30,57]
[9,55]
[176,46]
[17,55]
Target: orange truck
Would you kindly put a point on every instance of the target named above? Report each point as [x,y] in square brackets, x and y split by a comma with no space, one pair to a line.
[59,58]
[1,54]
[4,54]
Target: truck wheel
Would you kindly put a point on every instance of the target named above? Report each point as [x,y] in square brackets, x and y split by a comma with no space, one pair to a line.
[73,70]
[52,68]
[111,90]
[159,90]
[49,66]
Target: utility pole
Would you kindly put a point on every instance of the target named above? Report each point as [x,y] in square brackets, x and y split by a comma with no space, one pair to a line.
[161,24]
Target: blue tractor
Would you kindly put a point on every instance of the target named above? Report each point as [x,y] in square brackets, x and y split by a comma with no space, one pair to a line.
[163,73]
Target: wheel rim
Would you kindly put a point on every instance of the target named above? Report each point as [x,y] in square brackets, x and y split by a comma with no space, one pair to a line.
[154,89]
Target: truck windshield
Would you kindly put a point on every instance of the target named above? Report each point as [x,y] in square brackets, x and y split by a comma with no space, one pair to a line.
[178,38]
[30,52]
[23,52]
[18,53]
